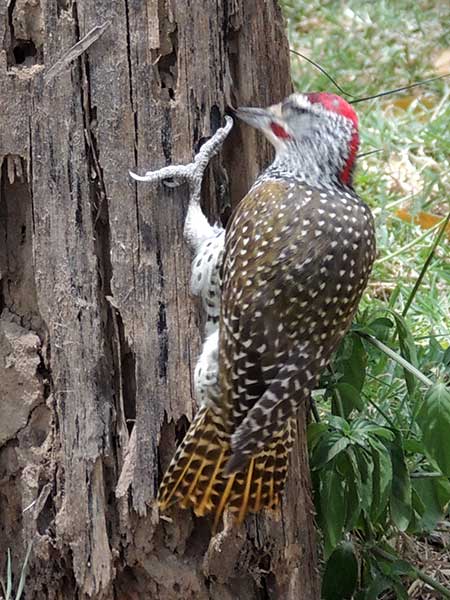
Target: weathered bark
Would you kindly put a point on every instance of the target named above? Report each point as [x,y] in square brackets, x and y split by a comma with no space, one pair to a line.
[98,332]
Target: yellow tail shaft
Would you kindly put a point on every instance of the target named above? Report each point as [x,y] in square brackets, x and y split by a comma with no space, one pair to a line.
[195,477]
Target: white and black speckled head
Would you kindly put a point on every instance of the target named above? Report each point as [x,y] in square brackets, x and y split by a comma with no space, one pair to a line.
[315,136]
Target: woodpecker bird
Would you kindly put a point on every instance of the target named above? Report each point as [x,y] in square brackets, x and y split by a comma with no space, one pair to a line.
[294,260]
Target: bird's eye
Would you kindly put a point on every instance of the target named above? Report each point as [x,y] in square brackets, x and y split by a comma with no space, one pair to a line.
[292,107]
[300,111]
[279,131]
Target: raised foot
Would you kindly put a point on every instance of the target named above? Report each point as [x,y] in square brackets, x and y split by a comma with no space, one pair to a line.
[192,173]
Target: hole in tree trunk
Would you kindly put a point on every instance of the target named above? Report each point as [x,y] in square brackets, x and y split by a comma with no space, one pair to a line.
[24,49]
[25,34]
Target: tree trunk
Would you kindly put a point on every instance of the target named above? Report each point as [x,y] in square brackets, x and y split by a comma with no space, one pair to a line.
[98,331]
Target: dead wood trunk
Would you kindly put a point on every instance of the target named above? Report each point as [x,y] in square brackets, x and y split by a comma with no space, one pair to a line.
[98,332]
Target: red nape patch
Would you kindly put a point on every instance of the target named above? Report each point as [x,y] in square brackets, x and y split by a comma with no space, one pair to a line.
[335,103]
[346,172]
[279,131]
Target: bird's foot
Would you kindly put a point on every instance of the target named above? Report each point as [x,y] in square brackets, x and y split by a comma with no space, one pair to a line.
[192,173]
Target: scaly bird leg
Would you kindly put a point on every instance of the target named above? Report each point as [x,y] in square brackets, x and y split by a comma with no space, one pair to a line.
[196,227]
[207,242]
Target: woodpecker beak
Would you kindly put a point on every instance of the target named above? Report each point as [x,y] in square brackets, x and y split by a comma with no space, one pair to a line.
[268,120]
[260,118]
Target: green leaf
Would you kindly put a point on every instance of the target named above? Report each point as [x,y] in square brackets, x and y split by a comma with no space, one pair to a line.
[434,421]
[341,573]
[370,427]
[384,433]
[382,477]
[315,432]
[365,465]
[446,357]
[401,593]
[407,344]
[355,366]
[427,491]
[442,487]
[418,511]
[352,490]
[353,510]
[337,447]
[400,498]
[379,585]
[339,423]
[391,571]
[396,567]
[349,396]
[381,327]
[332,504]
[407,349]
[394,570]
[413,446]
[433,355]
[323,448]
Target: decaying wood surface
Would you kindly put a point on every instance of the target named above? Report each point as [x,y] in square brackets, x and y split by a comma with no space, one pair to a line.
[98,331]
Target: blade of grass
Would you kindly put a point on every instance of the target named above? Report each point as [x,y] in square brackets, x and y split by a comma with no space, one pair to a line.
[426,475]
[9,577]
[23,574]
[433,335]
[406,247]
[427,263]
[403,199]
[396,357]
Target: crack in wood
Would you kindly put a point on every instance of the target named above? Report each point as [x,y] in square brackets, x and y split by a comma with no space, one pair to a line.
[163,339]
[124,285]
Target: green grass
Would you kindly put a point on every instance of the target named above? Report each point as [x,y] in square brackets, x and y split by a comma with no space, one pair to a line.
[7,587]
[369,47]
[371,408]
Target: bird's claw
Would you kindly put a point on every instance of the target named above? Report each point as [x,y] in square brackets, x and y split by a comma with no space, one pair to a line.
[171,183]
[175,175]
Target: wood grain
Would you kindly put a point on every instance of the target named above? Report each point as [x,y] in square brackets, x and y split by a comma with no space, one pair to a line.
[98,269]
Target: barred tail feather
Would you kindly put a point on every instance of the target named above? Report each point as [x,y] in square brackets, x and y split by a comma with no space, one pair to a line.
[261,483]
[195,478]
[197,451]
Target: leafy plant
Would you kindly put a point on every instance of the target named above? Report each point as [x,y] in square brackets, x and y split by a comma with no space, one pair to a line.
[380,455]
